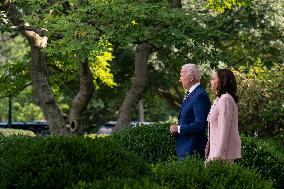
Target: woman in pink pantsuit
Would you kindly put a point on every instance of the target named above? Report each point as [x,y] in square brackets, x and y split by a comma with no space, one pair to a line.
[224,140]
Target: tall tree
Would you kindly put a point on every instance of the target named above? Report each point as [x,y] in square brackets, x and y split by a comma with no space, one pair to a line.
[253,34]
[82,98]
[36,16]
[177,4]
[139,83]
[162,28]
[37,68]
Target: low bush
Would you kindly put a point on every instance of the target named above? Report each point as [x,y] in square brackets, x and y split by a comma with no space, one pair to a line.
[259,156]
[78,162]
[152,142]
[191,173]
[116,183]
[276,143]
[58,162]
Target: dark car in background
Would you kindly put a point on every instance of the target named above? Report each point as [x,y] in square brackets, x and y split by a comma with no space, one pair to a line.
[38,127]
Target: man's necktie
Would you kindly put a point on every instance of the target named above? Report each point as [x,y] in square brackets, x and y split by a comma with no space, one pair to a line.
[186,95]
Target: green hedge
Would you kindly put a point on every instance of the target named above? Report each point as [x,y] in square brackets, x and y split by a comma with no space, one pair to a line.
[152,142]
[58,162]
[117,183]
[259,156]
[191,173]
[111,162]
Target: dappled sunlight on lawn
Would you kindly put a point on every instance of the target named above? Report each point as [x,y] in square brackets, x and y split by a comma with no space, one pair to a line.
[9,132]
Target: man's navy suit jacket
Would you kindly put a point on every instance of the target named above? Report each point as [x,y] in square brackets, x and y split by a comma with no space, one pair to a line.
[193,123]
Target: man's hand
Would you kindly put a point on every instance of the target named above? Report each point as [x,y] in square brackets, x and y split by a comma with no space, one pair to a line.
[174,129]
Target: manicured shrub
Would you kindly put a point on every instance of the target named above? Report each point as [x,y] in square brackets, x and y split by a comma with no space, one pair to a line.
[116,183]
[259,156]
[58,162]
[155,144]
[78,162]
[191,173]
[152,142]
[276,143]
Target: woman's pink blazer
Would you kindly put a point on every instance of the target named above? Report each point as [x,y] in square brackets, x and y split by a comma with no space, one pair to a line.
[224,139]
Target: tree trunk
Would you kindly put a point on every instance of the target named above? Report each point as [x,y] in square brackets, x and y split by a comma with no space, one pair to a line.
[43,93]
[171,99]
[135,93]
[141,111]
[176,4]
[82,99]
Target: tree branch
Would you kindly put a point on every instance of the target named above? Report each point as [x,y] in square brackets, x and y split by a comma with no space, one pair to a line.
[16,18]
[172,100]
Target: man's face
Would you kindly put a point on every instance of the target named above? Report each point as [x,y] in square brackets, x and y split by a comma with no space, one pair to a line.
[186,79]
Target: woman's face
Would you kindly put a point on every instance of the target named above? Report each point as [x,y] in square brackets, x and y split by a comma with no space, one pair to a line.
[214,82]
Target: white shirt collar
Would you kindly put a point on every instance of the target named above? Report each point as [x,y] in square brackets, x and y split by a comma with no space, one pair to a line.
[193,87]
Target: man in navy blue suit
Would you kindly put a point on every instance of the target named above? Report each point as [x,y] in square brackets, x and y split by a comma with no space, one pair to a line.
[190,132]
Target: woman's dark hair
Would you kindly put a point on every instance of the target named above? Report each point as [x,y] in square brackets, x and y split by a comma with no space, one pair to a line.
[227,83]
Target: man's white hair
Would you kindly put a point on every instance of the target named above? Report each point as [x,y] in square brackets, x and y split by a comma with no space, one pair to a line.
[193,70]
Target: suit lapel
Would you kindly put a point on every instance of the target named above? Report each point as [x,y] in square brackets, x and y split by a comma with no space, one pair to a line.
[186,100]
